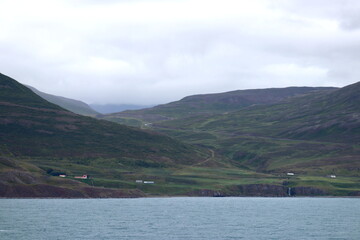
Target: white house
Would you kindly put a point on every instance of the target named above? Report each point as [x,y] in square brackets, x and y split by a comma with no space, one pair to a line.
[149,182]
[82,177]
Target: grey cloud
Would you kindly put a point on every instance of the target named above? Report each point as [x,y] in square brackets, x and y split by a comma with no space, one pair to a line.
[345,12]
[151,61]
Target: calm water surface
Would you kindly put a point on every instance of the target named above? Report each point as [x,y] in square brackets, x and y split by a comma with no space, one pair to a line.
[180,218]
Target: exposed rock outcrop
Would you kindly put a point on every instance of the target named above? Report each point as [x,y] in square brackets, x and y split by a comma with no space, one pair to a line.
[308,191]
[355,194]
[207,193]
[259,190]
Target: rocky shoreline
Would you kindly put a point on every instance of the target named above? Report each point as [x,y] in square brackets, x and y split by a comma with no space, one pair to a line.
[251,190]
[261,190]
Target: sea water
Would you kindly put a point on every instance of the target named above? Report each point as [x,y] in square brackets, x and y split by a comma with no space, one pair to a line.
[181,218]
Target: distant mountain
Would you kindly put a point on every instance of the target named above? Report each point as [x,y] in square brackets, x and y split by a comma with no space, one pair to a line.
[113,108]
[72,105]
[212,104]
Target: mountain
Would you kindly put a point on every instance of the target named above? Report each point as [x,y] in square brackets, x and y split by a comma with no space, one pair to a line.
[316,133]
[45,148]
[209,104]
[328,115]
[312,132]
[31,126]
[44,139]
[113,108]
[72,105]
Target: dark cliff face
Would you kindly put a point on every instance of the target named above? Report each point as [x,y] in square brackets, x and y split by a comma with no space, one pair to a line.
[308,191]
[355,194]
[259,190]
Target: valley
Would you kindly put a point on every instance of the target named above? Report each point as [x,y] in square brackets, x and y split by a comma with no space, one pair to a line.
[241,143]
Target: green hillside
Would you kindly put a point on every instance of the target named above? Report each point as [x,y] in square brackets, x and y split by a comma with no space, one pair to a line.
[72,105]
[41,135]
[31,126]
[331,116]
[209,104]
[216,156]
[316,133]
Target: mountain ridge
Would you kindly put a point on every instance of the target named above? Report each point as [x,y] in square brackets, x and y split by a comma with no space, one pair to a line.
[72,105]
[211,104]
[114,108]
[231,153]
[315,132]
[24,114]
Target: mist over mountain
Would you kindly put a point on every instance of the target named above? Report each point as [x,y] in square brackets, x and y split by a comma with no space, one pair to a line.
[113,108]
[72,105]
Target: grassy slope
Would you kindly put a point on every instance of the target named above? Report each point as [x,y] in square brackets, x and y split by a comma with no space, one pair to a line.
[31,126]
[314,135]
[322,116]
[39,139]
[208,104]
[21,179]
[114,159]
[37,133]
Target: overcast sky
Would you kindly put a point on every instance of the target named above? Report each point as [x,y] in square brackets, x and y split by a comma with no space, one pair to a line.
[157,51]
